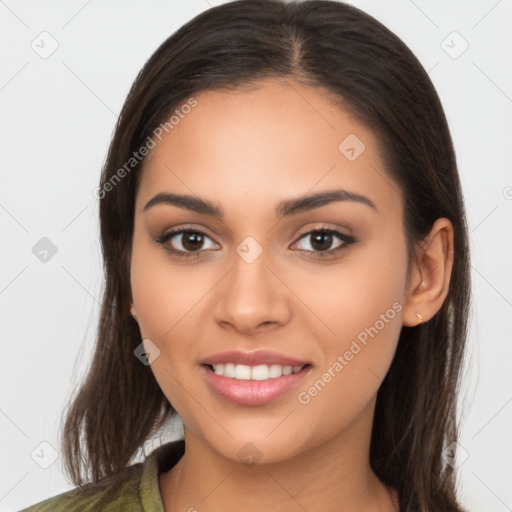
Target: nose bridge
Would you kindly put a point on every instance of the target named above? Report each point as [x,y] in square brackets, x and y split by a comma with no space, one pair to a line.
[251,294]
[250,277]
[249,288]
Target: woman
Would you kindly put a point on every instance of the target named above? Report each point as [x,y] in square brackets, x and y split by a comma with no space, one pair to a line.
[286,265]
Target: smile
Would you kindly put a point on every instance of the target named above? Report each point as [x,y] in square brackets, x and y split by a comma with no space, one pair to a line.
[253,385]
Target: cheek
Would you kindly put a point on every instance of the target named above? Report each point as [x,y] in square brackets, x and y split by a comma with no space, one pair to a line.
[351,296]
[170,300]
[361,304]
[166,296]
[164,293]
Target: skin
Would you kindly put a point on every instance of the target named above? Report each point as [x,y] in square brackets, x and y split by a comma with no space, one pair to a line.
[246,151]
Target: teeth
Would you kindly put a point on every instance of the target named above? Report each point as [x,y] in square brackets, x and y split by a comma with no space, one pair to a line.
[242,372]
[261,372]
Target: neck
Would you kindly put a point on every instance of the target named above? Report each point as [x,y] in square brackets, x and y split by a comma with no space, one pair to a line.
[331,475]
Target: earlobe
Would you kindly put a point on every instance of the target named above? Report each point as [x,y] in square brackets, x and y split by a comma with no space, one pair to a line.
[132,311]
[430,274]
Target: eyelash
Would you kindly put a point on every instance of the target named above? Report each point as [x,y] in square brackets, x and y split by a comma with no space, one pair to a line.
[346,239]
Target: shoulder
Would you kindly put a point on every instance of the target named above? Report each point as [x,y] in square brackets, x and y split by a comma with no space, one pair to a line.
[136,488]
[120,492]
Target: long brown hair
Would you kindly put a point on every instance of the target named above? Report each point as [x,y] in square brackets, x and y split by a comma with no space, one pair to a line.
[373,75]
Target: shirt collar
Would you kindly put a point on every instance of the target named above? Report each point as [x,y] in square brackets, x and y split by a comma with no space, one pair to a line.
[161,460]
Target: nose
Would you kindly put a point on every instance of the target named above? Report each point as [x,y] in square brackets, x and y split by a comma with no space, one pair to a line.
[252,298]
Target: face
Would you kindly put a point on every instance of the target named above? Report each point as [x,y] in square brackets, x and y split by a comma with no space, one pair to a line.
[291,241]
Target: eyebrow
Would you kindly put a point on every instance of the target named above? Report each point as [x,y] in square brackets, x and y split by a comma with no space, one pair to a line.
[283,209]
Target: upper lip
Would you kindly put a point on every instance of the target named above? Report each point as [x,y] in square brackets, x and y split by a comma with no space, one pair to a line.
[252,358]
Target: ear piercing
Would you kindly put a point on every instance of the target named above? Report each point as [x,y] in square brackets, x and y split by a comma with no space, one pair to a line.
[420,316]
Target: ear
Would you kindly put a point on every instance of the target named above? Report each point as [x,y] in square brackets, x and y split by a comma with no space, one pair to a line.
[133,312]
[430,274]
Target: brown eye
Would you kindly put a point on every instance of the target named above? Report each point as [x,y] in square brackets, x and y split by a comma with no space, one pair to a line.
[322,240]
[183,242]
[192,241]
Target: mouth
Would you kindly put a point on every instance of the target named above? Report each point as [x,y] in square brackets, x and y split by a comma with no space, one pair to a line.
[253,385]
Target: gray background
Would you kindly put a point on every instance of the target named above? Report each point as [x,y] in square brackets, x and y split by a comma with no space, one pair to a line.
[58,113]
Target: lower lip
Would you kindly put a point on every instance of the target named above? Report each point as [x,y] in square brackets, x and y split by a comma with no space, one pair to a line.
[253,392]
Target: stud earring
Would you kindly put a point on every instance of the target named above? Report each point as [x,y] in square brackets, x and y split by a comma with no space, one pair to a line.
[420,317]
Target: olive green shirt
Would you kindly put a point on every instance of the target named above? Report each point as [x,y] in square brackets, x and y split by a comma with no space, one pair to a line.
[139,490]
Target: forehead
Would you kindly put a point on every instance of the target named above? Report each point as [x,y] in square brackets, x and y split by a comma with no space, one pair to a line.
[276,139]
